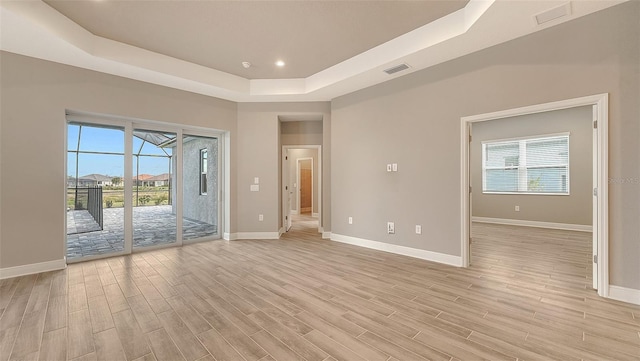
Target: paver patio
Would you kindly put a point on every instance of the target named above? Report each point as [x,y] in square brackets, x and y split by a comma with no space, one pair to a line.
[152,225]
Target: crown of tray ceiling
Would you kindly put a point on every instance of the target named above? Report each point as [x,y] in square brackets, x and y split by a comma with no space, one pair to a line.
[330,48]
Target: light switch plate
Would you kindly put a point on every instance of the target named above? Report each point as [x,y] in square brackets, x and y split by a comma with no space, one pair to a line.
[256,180]
[255,188]
[389,168]
[395,167]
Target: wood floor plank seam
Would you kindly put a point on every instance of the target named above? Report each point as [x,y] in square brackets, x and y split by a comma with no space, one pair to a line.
[526,296]
[13,341]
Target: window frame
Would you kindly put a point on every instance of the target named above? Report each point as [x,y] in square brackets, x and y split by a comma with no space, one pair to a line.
[522,167]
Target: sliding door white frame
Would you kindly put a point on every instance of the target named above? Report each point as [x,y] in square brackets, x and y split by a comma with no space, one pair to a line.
[129,125]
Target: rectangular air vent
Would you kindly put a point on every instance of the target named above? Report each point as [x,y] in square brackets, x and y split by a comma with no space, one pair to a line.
[396,69]
[553,14]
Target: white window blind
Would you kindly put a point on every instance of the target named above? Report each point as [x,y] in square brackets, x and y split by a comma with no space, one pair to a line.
[537,165]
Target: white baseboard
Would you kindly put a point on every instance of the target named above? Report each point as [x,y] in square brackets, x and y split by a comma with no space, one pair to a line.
[624,294]
[523,223]
[406,251]
[32,268]
[323,233]
[293,211]
[228,236]
[281,231]
[315,215]
[256,235]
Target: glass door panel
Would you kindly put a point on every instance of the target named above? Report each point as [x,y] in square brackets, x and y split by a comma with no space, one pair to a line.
[200,187]
[95,190]
[154,211]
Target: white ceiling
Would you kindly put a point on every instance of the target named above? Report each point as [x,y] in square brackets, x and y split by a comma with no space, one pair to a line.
[331,47]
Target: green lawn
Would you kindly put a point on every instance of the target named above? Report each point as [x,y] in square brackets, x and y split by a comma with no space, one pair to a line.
[113,197]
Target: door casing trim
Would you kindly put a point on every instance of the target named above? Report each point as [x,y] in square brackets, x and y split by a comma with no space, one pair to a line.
[600,102]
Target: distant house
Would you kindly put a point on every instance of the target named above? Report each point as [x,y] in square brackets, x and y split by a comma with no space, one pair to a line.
[92,180]
[159,180]
[143,180]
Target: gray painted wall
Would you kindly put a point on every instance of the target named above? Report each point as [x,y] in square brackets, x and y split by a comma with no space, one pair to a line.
[414,120]
[35,95]
[260,154]
[574,208]
[301,133]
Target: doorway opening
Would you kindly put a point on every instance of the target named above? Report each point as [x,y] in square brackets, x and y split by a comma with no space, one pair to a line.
[301,187]
[598,178]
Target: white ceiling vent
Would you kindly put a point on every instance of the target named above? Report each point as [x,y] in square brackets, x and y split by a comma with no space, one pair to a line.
[396,69]
[553,13]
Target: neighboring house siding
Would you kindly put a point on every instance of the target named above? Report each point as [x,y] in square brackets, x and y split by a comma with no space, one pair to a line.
[93,180]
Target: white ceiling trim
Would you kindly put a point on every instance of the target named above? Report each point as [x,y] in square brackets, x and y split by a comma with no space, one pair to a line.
[33,28]
[421,38]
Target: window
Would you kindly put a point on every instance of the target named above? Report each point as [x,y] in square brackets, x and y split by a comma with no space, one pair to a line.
[203,171]
[528,165]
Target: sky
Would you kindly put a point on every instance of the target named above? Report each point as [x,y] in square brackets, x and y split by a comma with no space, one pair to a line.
[97,139]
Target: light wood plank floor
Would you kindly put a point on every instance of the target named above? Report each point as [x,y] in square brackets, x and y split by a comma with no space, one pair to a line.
[526,297]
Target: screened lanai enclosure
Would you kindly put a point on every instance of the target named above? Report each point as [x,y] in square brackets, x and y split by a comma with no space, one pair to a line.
[109,212]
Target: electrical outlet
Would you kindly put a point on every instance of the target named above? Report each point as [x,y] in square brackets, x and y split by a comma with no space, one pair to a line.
[391,228]
[260,217]
[418,229]
[517,208]
[350,220]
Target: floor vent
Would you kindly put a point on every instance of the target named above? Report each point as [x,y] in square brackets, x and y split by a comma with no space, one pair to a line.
[396,69]
[553,14]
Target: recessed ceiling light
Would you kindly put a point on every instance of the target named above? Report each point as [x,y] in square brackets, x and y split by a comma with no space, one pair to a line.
[246,64]
[280,63]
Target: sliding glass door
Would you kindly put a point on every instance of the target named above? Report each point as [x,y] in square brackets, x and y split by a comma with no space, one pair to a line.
[95,190]
[133,186]
[154,211]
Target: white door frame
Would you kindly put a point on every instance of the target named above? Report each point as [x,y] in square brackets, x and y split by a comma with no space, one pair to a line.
[285,178]
[600,104]
[298,183]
